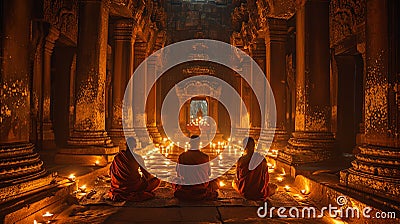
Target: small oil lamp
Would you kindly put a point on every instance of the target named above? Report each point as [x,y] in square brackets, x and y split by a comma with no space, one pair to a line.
[286,187]
[72,177]
[47,217]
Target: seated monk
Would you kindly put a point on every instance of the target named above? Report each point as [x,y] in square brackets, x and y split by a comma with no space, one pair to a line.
[252,184]
[197,185]
[127,183]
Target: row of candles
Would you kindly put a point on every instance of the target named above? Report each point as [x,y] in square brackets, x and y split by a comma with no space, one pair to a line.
[48,217]
[280,178]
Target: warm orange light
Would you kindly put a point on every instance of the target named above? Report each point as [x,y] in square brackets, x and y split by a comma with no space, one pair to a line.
[221,183]
[82,188]
[286,187]
[71,177]
[280,179]
[47,214]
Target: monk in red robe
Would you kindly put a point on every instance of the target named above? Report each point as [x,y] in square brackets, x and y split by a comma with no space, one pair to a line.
[252,184]
[196,184]
[127,183]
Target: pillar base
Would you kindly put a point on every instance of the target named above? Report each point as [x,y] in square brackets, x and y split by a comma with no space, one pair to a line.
[155,134]
[274,140]
[117,136]
[18,163]
[142,136]
[88,148]
[307,147]
[376,171]
[48,139]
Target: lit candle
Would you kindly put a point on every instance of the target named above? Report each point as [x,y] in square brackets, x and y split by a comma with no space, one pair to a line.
[303,191]
[97,163]
[279,179]
[287,188]
[47,217]
[82,188]
[71,177]
[221,183]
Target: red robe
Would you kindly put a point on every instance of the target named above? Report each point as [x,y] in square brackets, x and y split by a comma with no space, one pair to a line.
[126,181]
[252,184]
[197,192]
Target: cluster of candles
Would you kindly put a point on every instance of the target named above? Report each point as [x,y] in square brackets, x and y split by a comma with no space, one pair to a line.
[273,153]
[198,122]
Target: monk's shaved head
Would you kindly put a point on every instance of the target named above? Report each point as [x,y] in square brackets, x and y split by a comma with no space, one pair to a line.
[194,142]
[249,144]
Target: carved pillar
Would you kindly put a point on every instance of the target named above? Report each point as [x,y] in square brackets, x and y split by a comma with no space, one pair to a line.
[275,41]
[376,168]
[18,161]
[151,102]
[47,133]
[89,141]
[139,98]
[312,140]
[258,55]
[122,71]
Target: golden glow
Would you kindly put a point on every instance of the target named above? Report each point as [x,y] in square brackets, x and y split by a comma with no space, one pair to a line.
[280,179]
[221,183]
[286,187]
[72,177]
[47,214]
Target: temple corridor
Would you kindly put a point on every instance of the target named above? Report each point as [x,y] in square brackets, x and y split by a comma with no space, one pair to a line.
[314,82]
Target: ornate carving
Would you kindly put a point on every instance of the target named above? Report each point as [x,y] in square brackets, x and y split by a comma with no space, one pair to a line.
[63,15]
[345,16]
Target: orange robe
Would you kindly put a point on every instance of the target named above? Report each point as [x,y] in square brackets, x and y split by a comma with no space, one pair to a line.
[252,184]
[127,184]
[197,192]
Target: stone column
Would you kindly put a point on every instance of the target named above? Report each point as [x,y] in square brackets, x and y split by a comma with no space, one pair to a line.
[376,168]
[47,133]
[139,98]
[275,42]
[151,102]
[258,54]
[89,141]
[21,167]
[312,140]
[122,71]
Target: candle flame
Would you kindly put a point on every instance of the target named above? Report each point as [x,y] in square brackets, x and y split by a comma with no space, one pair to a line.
[221,183]
[286,187]
[280,179]
[47,214]
[71,177]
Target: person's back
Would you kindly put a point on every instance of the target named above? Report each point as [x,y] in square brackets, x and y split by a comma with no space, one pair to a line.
[194,171]
[252,184]
[194,174]
[126,181]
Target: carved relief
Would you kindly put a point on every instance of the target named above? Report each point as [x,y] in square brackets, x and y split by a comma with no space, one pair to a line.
[63,15]
[345,16]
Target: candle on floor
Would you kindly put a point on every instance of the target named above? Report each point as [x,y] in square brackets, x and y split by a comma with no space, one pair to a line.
[286,187]
[83,188]
[221,183]
[72,177]
[303,191]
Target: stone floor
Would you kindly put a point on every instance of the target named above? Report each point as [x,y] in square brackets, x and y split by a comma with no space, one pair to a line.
[93,207]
